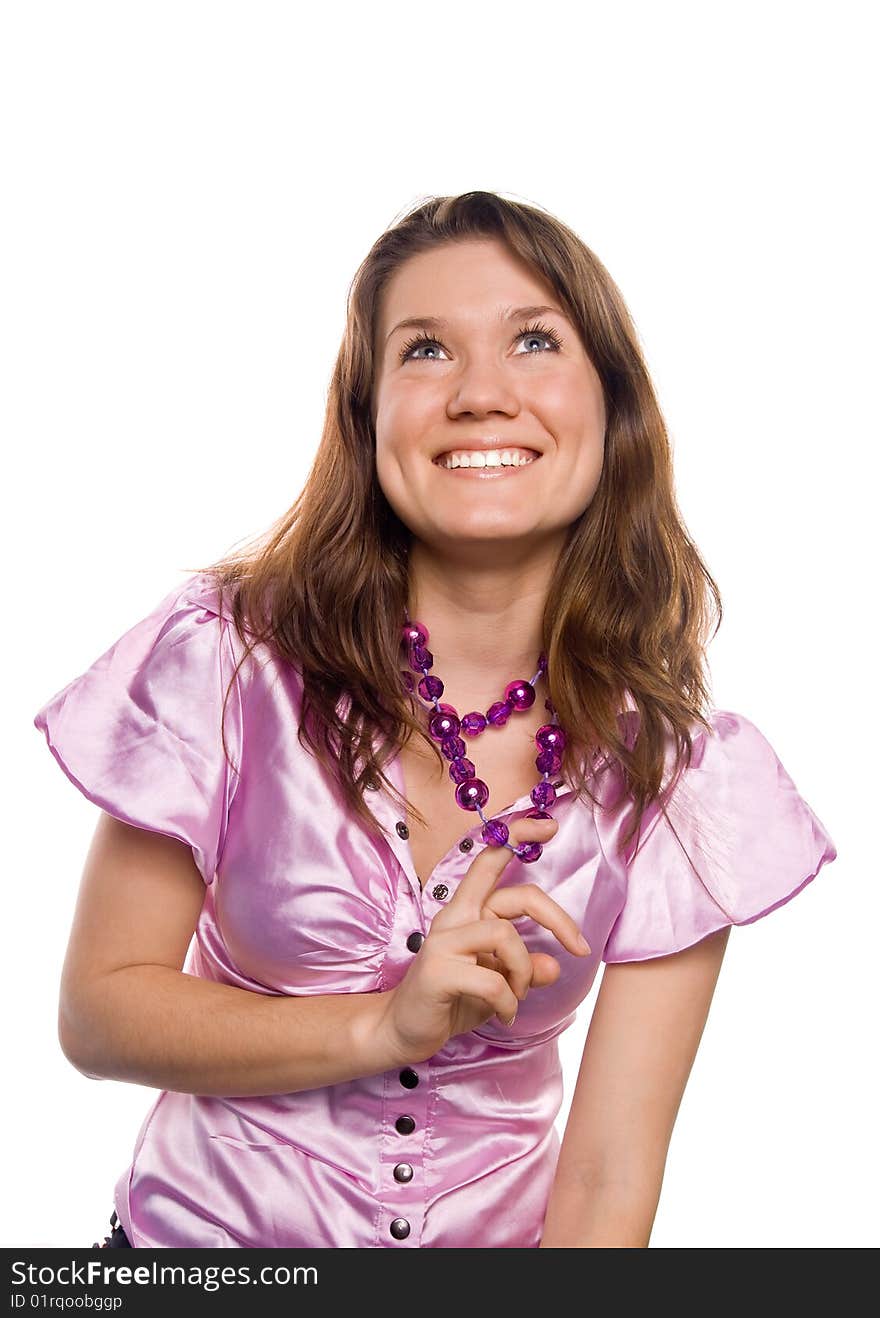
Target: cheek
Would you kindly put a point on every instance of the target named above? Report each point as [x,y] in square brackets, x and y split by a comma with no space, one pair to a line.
[397,470]
[574,408]
[403,413]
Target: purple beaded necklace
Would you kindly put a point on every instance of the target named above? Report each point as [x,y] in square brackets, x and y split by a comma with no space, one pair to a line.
[444,726]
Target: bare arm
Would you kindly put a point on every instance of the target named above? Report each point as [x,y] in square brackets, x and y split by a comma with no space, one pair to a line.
[643,1038]
[128,1012]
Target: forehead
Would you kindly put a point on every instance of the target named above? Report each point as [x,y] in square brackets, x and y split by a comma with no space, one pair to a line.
[460,283]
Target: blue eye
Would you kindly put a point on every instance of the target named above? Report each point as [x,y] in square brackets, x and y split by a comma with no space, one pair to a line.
[528,331]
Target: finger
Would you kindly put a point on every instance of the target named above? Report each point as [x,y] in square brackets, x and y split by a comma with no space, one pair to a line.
[545,969]
[485,871]
[528,899]
[498,937]
[493,989]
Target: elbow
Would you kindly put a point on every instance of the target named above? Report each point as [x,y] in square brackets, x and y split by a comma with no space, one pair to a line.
[89,1075]
[86,1068]
[71,1041]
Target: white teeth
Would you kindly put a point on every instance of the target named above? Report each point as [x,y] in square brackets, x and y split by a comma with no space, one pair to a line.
[493,458]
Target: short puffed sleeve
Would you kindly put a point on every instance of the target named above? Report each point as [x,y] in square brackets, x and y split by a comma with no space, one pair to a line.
[139,732]
[736,841]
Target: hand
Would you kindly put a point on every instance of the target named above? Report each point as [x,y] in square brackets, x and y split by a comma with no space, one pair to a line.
[473,962]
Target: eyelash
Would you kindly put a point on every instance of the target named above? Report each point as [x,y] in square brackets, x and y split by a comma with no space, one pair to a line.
[542,330]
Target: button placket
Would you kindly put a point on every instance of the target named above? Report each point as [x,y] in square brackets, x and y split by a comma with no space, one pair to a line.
[402,1184]
[406,1090]
[438,891]
[404,1105]
[400,845]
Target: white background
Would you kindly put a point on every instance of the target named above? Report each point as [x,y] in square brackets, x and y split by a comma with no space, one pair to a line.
[189,189]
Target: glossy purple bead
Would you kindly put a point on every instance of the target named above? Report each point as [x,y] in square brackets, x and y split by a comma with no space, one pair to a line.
[550,736]
[495,833]
[473,724]
[447,709]
[442,725]
[543,794]
[549,761]
[471,793]
[499,713]
[453,748]
[520,694]
[462,769]
[415,633]
[430,688]
[529,852]
[420,658]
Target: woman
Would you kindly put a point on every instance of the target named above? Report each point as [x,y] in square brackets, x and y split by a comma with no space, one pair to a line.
[441,738]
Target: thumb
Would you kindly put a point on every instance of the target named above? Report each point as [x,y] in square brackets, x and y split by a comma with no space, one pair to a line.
[545,969]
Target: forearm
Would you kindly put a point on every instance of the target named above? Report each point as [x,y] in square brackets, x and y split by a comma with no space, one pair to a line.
[600,1215]
[164,1028]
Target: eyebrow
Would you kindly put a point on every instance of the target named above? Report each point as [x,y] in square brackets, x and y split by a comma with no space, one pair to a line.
[437,323]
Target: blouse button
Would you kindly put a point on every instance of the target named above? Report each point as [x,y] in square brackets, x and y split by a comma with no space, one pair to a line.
[466,844]
[405,1125]
[402,830]
[440,891]
[400,1228]
[415,941]
[408,1078]
[403,1172]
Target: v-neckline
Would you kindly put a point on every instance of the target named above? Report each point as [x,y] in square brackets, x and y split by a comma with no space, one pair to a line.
[394,771]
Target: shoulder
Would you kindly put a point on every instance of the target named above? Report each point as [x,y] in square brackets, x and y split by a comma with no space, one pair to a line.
[202,591]
[200,612]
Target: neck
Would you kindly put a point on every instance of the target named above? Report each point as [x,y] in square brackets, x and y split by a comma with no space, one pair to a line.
[485,622]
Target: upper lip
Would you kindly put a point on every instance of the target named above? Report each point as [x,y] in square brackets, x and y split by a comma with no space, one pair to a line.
[484,444]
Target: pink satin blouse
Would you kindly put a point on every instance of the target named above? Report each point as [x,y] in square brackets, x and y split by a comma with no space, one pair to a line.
[456,1151]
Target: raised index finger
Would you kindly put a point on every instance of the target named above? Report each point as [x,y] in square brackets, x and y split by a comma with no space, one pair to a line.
[486,870]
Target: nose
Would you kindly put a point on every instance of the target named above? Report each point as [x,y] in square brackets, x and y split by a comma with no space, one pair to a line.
[482,386]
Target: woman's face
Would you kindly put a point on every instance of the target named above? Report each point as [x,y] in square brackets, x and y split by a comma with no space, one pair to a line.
[479,378]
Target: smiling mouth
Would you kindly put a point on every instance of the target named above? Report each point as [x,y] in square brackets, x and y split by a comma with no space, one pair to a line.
[493,472]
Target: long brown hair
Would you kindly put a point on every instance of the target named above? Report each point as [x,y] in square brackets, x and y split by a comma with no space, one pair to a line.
[630,603]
